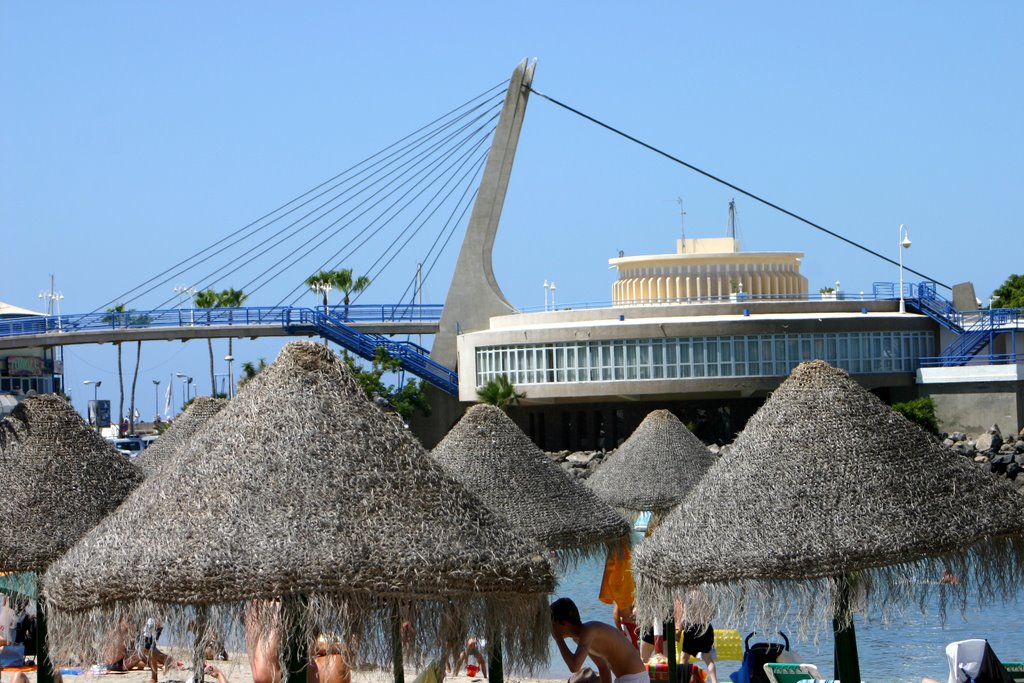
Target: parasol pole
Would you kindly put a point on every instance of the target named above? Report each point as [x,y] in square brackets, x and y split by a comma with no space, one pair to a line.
[44,672]
[495,672]
[298,660]
[396,645]
[199,645]
[670,651]
[847,664]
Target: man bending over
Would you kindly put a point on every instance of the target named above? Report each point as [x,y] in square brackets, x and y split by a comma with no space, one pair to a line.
[606,646]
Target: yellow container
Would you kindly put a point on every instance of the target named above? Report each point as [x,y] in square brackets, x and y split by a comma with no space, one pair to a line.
[728,645]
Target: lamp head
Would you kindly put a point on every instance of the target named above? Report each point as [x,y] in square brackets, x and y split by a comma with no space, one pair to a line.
[905,243]
[98,383]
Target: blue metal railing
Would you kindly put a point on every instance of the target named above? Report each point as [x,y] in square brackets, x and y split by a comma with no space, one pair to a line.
[208,317]
[412,357]
[979,359]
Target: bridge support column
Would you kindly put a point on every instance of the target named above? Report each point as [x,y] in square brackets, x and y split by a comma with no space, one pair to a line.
[474,295]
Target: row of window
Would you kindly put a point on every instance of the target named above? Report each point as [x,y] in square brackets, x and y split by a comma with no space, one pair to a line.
[707,269]
[714,356]
[22,385]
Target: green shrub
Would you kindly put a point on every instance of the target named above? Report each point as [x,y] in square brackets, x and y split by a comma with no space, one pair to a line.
[920,411]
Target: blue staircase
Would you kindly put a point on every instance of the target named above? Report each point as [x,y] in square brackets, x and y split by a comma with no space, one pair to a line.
[412,357]
[975,329]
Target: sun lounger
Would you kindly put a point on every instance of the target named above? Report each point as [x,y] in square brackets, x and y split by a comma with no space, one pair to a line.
[784,672]
[1016,670]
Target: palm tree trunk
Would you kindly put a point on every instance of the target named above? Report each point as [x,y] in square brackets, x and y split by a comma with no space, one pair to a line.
[213,379]
[135,380]
[120,384]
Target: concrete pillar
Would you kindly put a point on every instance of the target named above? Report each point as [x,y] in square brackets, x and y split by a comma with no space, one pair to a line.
[474,295]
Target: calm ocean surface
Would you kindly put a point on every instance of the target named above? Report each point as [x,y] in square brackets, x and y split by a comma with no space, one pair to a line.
[897,652]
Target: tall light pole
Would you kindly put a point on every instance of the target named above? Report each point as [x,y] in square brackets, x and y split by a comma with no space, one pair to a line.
[904,244]
[185,381]
[231,378]
[156,397]
[95,386]
[181,291]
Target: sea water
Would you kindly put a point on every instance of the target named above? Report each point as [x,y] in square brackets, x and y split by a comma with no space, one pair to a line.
[895,652]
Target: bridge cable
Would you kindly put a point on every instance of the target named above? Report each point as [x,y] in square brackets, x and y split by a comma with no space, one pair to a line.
[386,211]
[469,173]
[732,186]
[466,140]
[286,204]
[449,226]
[220,274]
[280,241]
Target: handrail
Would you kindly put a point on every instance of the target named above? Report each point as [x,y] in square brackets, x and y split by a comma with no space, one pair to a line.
[208,317]
[411,357]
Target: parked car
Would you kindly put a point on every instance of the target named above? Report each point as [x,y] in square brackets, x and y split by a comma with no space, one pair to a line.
[129,445]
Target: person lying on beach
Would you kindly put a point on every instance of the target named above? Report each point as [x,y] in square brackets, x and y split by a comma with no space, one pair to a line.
[326,665]
[606,646]
[121,652]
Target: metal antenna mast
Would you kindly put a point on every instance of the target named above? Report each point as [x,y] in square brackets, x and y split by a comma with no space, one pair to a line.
[732,219]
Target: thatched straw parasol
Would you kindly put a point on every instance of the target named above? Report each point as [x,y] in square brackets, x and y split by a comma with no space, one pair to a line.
[302,488]
[830,503]
[181,430]
[59,478]
[492,457]
[654,468]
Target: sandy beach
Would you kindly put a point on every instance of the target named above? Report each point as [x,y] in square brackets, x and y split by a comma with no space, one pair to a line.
[237,670]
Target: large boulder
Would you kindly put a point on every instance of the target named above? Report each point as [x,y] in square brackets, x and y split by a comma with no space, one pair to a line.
[989,441]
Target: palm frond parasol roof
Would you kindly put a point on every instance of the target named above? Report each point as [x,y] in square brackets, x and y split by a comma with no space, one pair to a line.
[654,468]
[492,457]
[302,487]
[184,427]
[827,491]
[59,477]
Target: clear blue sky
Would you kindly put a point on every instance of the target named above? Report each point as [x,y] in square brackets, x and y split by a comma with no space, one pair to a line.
[131,134]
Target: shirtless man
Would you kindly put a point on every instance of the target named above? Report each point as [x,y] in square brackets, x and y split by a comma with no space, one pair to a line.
[606,646]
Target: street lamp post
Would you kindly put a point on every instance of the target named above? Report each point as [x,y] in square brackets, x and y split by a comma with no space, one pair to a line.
[94,414]
[95,386]
[231,378]
[181,291]
[904,244]
[156,398]
[185,382]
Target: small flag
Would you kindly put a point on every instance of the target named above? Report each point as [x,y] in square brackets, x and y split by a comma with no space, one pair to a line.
[167,401]
[136,414]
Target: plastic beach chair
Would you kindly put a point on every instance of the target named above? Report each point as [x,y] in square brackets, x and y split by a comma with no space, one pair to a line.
[964,658]
[1015,669]
[784,672]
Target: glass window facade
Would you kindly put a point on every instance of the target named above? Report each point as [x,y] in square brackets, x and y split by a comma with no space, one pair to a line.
[756,355]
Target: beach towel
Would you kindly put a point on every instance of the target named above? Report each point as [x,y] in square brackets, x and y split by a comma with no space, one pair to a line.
[617,583]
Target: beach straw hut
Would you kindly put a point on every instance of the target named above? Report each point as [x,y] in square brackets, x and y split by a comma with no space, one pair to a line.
[654,468]
[59,478]
[180,432]
[495,460]
[830,503]
[302,489]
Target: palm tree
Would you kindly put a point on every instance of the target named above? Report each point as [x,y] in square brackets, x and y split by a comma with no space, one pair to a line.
[209,299]
[500,392]
[231,298]
[342,280]
[116,318]
[250,370]
[322,283]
